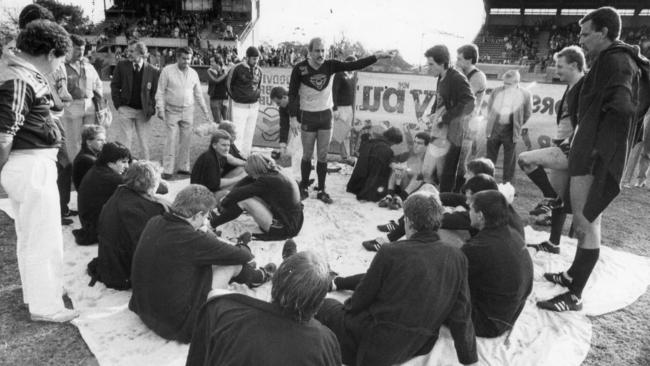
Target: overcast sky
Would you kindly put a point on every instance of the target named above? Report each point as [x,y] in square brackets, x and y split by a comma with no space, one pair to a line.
[411,26]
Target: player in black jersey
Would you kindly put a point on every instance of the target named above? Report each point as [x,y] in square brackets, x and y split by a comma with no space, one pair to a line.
[310,104]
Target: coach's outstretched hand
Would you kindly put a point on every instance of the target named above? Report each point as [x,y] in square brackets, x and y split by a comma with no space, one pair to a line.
[382,54]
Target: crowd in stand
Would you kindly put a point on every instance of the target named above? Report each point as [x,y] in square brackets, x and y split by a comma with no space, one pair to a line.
[170,24]
[519,44]
[636,35]
[561,37]
[281,56]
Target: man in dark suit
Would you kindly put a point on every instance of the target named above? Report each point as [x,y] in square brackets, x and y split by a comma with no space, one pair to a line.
[133,89]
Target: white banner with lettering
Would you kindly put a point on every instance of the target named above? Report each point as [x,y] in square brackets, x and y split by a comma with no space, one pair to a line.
[398,99]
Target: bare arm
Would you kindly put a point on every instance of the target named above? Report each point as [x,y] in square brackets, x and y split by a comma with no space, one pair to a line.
[214,76]
[234,161]
[227,182]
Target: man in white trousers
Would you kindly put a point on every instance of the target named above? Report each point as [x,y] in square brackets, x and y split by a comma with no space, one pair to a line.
[243,85]
[179,88]
[29,142]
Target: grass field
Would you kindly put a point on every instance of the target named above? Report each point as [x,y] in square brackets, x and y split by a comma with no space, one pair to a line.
[619,338]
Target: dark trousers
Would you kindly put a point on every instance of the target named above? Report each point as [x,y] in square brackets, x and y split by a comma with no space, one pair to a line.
[332,315]
[64,183]
[450,169]
[219,110]
[493,146]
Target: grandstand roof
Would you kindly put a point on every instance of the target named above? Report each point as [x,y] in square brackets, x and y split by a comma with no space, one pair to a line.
[561,4]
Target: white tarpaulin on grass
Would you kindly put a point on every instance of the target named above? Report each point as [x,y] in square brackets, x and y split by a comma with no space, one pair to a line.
[117,337]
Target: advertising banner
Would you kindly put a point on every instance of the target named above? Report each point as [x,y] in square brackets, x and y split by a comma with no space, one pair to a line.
[401,100]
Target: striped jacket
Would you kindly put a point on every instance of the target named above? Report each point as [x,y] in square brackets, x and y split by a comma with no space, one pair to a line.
[25,103]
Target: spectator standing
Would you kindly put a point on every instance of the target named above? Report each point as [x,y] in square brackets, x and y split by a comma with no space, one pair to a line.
[133,89]
[179,88]
[243,85]
[217,88]
[83,85]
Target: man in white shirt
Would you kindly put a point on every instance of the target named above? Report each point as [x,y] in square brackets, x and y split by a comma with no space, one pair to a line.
[178,88]
[83,83]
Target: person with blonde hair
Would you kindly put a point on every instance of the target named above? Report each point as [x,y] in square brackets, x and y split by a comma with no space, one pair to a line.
[570,66]
[270,197]
[216,168]
[239,161]
[121,222]
[509,108]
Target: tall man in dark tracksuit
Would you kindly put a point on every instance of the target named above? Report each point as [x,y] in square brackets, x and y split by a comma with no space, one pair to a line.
[243,85]
[453,92]
[614,98]
[310,103]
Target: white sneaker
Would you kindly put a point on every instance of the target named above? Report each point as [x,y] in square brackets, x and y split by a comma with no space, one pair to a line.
[61,316]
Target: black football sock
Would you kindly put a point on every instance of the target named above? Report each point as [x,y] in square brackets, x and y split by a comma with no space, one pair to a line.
[228,213]
[539,177]
[584,264]
[321,172]
[305,171]
[249,275]
[557,224]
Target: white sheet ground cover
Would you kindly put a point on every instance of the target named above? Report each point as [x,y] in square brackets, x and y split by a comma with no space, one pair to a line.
[117,337]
